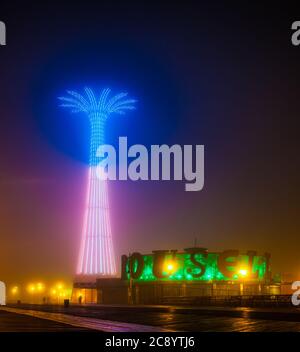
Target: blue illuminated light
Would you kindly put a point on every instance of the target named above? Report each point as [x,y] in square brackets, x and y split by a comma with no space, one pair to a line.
[98,111]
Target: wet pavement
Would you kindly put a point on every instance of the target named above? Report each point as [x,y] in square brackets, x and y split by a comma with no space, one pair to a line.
[11,322]
[211,319]
[93,324]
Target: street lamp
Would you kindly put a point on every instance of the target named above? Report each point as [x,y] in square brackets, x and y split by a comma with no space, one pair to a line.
[40,287]
[243,273]
[15,290]
[31,288]
[170,267]
[58,291]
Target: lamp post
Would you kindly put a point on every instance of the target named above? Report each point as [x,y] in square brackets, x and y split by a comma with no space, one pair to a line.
[15,291]
[58,292]
[170,267]
[31,290]
[243,274]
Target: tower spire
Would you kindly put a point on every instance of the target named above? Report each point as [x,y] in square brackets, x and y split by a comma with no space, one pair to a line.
[96,256]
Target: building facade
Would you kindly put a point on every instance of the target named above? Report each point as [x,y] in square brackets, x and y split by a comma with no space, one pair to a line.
[194,274]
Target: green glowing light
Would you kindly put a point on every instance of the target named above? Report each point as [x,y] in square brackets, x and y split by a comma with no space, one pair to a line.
[185,269]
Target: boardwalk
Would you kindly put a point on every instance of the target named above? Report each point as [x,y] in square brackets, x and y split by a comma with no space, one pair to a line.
[11,322]
[160,318]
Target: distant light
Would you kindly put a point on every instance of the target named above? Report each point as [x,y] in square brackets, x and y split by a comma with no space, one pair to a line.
[31,288]
[170,267]
[15,290]
[59,286]
[243,272]
[40,286]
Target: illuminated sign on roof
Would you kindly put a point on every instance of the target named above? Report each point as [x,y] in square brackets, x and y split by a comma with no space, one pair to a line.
[196,264]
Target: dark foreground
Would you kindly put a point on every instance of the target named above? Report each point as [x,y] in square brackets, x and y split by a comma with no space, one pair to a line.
[10,322]
[202,319]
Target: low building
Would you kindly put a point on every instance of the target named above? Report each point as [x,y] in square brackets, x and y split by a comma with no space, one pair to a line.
[164,275]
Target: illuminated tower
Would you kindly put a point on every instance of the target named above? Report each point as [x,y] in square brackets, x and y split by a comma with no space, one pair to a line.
[96,255]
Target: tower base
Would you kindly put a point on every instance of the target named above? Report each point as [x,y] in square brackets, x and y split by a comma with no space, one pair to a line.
[84,289]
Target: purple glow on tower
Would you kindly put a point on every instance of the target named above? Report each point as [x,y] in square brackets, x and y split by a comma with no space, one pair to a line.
[96,256]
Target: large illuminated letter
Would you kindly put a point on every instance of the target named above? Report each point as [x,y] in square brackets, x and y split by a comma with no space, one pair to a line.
[193,252]
[223,262]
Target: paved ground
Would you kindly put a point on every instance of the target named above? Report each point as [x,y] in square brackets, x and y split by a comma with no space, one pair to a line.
[188,318]
[11,322]
[94,324]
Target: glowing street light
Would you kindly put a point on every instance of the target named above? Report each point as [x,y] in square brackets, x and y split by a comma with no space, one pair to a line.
[31,288]
[59,286]
[40,287]
[15,290]
[170,267]
[59,291]
[243,272]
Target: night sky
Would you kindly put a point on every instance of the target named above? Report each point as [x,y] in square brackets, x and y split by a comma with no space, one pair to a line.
[223,76]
